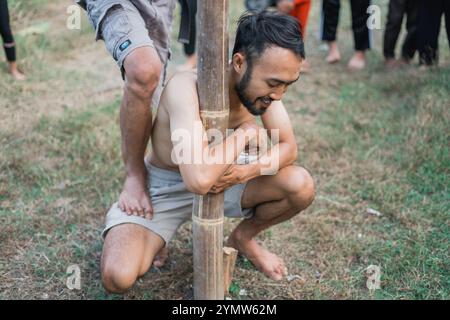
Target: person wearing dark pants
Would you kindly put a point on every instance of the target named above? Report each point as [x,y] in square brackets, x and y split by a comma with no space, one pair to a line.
[430,15]
[8,41]
[361,33]
[397,10]
[189,8]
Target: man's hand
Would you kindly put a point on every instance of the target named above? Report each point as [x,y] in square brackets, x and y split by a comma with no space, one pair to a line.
[285,6]
[234,175]
[134,199]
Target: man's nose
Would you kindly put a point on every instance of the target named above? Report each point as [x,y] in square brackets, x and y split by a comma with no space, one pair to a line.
[277,94]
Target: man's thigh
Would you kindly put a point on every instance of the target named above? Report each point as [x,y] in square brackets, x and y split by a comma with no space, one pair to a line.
[131,246]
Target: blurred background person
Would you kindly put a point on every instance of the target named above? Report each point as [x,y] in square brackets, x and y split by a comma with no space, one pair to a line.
[430,15]
[397,10]
[361,33]
[188,33]
[8,41]
[299,9]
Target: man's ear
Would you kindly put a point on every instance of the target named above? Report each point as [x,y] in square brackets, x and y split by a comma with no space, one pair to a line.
[239,62]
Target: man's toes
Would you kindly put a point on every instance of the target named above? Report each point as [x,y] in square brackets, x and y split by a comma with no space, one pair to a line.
[127,209]
[157,263]
[275,275]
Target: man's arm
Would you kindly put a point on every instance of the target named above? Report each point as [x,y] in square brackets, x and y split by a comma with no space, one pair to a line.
[200,165]
[282,154]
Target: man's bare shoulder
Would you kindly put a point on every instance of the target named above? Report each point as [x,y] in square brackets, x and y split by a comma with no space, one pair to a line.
[181,91]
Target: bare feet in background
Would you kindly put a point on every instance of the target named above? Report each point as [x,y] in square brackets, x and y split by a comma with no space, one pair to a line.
[265,261]
[358,61]
[333,52]
[393,64]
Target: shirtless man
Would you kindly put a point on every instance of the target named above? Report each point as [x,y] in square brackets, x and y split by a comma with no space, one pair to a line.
[266,59]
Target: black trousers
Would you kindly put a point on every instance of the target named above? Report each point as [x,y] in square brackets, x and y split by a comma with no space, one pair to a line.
[430,16]
[5,31]
[189,9]
[330,20]
[397,10]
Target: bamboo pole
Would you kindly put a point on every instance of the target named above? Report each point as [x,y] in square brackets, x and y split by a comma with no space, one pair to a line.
[207,213]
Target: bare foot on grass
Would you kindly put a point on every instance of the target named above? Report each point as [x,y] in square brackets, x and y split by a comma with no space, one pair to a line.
[265,261]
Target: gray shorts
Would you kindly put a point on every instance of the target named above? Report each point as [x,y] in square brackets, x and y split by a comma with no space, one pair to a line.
[172,205]
[125,25]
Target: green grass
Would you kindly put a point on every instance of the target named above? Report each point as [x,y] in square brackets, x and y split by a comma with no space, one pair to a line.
[407,137]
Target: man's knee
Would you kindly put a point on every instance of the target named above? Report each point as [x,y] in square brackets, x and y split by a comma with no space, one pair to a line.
[142,70]
[118,279]
[299,186]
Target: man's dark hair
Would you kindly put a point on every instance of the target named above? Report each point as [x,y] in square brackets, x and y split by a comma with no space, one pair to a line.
[259,30]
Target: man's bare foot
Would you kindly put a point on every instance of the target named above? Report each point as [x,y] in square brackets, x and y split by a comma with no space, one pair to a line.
[358,61]
[265,261]
[15,72]
[161,257]
[134,199]
[333,53]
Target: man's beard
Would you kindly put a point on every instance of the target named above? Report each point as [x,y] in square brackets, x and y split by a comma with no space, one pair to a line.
[241,88]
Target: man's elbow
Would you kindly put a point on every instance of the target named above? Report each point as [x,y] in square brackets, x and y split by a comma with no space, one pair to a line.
[293,154]
[199,184]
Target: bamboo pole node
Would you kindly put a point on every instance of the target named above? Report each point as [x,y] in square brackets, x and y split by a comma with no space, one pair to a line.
[210,222]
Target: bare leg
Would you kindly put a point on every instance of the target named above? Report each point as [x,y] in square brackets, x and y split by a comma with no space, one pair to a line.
[277,198]
[143,69]
[358,61]
[128,252]
[161,257]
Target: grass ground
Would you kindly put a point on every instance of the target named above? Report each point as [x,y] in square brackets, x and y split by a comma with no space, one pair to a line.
[373,139]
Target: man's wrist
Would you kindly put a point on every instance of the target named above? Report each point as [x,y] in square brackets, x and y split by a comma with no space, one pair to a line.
[253,171]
